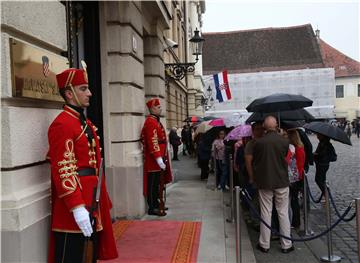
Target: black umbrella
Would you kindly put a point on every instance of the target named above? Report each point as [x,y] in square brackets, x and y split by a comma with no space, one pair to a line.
[292,115]
[292,124]
[279,102]
[328,130]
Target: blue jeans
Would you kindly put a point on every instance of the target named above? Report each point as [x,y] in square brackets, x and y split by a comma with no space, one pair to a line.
[222,173]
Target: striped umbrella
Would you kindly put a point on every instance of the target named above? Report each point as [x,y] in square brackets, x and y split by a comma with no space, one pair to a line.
[193,119]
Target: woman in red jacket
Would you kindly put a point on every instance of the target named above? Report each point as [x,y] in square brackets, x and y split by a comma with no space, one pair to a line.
[296,161]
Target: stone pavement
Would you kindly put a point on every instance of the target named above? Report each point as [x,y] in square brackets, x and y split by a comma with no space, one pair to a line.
[344,181]
[188,198]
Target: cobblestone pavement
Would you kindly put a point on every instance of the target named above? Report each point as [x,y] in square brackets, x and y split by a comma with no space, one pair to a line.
[344,182]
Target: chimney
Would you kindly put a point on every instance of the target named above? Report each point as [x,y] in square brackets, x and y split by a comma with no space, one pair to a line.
[317,33]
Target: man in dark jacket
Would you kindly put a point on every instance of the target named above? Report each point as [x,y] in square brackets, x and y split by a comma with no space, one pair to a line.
[174,140]
[204,155]
[272,180]
[186,138]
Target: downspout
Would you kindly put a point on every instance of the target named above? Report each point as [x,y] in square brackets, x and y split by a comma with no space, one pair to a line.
[186,57]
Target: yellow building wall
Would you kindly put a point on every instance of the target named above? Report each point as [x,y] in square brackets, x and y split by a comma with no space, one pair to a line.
[349,106]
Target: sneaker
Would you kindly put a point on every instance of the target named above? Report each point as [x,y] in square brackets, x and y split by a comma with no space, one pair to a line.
[227,187]
[218,187]
[287,250]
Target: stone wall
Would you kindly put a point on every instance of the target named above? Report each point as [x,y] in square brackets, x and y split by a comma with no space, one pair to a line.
[25,176]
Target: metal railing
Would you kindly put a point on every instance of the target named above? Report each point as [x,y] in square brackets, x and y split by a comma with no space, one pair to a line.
[241,194]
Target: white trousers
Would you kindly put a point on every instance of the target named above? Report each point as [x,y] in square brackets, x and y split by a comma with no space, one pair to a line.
[282,206]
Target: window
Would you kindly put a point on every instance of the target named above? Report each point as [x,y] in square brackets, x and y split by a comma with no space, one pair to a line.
[358,90]
[339,91]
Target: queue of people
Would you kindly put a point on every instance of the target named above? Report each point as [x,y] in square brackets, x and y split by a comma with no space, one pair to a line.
[270,164]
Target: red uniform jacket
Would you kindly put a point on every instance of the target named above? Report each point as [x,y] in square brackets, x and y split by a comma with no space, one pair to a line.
[69,152]
[153,137]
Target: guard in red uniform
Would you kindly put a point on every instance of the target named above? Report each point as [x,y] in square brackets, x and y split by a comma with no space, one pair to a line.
[156,157]
[74,154]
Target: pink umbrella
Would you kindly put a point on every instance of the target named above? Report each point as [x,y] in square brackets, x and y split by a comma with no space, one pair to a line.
[217,122]
[239,132]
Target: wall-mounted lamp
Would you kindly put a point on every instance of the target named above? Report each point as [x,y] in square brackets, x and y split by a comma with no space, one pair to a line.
[207,101]
[178,71]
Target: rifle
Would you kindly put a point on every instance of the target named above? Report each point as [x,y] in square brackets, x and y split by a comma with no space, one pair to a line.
[90,245]
[161,193]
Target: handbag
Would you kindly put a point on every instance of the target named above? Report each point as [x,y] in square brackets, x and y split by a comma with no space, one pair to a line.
[293,170]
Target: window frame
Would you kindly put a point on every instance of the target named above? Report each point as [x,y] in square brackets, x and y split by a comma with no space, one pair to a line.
[336,91]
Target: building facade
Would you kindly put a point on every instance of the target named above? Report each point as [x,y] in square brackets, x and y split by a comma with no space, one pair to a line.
[264,61]
[245,87]
[196,81]
[182,95]
[123,45]
[347,81]
[347,100]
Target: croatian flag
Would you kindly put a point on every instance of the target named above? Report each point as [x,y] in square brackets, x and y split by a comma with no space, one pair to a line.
[223,92]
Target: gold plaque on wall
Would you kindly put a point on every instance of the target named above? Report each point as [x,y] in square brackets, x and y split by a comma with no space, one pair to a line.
[34,71]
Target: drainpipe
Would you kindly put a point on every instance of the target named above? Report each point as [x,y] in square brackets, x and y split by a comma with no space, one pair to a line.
[186,57]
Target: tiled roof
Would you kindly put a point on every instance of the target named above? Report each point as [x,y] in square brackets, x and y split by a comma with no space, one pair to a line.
[344,66]
[267,49]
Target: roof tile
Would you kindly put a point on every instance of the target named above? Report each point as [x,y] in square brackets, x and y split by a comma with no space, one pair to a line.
[344,66]
[267,49]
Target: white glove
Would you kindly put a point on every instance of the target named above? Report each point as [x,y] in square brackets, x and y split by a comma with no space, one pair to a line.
[82,219]
[160,162]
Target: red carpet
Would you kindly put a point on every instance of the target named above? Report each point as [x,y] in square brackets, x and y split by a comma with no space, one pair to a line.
[156,241]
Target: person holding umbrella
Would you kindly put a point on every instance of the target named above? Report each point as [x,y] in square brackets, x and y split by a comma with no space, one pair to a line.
[325,152]
[323,155]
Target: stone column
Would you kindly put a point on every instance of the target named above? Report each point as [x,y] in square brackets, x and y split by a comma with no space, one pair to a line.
[154,70]
[122,62]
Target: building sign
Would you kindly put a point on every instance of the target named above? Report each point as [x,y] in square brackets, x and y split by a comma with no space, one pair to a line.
[34,71]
